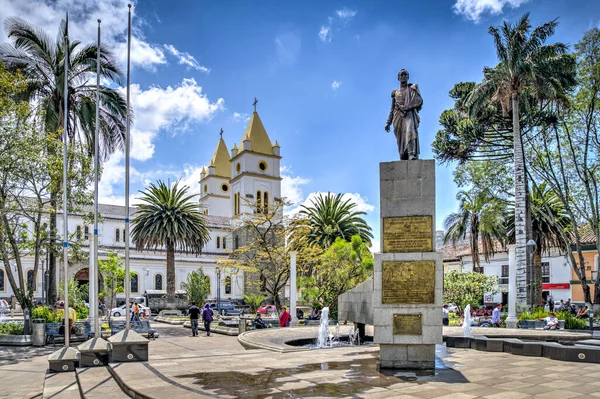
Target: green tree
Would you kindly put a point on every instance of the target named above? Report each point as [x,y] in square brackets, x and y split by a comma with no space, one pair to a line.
[197,287]
[330,217]
[343,266]
[113,272]
[468,288]
[254,301]
[169,218]
[565,155]
[41,61]
[480,218]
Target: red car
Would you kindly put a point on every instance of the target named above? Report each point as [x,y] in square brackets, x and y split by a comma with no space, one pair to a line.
[267,309]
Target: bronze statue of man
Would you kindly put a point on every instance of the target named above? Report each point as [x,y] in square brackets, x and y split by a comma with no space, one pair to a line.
[404,114]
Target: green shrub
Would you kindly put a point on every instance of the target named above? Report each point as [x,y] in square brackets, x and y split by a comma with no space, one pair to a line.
[534,314]
[12,328]
[82,311]
[49,315]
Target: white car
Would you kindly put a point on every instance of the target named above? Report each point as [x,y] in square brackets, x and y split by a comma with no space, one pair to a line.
[451,308]
[120,311]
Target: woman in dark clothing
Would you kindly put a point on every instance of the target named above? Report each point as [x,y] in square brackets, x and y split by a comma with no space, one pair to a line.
[207,318]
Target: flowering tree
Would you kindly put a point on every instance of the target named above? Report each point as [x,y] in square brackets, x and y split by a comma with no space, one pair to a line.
[468,288]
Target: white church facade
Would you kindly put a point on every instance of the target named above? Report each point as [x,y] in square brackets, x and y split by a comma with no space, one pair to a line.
[249,170]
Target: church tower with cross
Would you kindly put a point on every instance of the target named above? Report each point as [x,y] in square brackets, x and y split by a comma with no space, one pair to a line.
[245,180]
[215,197]
[255,175]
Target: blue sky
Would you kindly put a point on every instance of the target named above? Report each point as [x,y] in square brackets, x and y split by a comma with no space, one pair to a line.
[322,72]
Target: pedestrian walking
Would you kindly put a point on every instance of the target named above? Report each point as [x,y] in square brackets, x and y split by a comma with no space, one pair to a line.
[194,312]
[550,301]
[496,322]
[445,317]
[207,318]
[135,312]
[284,318]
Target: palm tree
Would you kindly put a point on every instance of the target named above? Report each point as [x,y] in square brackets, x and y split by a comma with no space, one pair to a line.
[547,217]
[41,61]
[168,218]
[330,217]
[527,66]
[480,218]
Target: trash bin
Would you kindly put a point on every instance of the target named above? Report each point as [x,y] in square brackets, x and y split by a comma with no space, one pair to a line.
[242,325]
[38,337]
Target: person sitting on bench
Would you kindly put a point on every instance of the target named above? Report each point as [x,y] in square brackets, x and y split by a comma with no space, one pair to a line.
[259,322]
[551,322]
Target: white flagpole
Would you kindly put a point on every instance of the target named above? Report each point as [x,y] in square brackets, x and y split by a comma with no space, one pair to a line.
[66,185]
[127,143]
[94,281]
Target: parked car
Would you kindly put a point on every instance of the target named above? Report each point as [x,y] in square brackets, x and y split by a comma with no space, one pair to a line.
[452,308]
[267,309]
[120,311]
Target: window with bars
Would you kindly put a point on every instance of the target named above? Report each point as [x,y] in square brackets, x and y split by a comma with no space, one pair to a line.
[218,242]
[86,233]
[78,233]
[478,269]
[545,272]
[158,282]
[504,275]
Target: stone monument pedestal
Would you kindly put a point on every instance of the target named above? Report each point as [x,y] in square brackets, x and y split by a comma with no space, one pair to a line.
[93,352]
[128,346]
[64,359]
[403,300]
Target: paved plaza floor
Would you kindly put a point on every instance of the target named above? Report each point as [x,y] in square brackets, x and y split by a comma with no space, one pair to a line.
[182,366]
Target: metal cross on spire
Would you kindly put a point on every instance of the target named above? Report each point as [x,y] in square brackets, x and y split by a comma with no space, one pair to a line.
[221,133]
[254,103]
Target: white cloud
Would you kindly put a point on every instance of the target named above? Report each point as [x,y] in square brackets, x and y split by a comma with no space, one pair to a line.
[361,203]
[325,33]
[288,45]
[291,186]
[83,26]
[240,117]
[346,15]
[473,9]
[186,58]
[375,247]
[335,85]
[343,16]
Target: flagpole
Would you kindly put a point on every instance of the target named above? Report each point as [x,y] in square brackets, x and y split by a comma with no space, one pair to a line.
[127,143]
[65,185]
[95,272]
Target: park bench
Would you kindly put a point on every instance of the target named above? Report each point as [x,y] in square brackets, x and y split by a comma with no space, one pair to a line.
[83,332]
[140,327]
[538,324]
[169,313]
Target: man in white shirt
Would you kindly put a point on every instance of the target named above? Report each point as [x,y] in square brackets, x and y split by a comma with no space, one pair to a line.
[445,317]
[551,322]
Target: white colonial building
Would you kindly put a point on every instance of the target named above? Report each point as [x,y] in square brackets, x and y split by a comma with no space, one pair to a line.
[234,179]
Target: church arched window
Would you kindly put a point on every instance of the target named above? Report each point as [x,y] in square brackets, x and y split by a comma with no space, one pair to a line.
[158,281]
[2,281]
[236,242]
[266,202]
[78,232]
[86,233]
[227,285]
[117,235]
[134,282]
[31,283]
[218,242]
[224,242]
[258,201]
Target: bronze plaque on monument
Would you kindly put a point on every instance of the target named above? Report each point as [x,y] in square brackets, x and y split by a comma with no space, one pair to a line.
[408,282]
[407,324]
[408,234]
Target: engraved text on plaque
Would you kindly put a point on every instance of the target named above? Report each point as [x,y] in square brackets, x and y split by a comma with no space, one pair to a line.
[408,282]
[408,234]
[407,324]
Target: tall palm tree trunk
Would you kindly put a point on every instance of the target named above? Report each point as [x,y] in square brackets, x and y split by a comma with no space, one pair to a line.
[51,248]
[538,298]
[171,274]
[520,209]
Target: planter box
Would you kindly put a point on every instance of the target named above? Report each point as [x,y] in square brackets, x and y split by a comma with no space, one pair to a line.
[15,340]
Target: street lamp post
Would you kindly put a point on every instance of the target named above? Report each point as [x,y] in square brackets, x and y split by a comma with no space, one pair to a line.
[219,291]
[531,248]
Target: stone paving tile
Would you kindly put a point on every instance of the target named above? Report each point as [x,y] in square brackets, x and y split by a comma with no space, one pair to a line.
[457,395]
[507,395]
